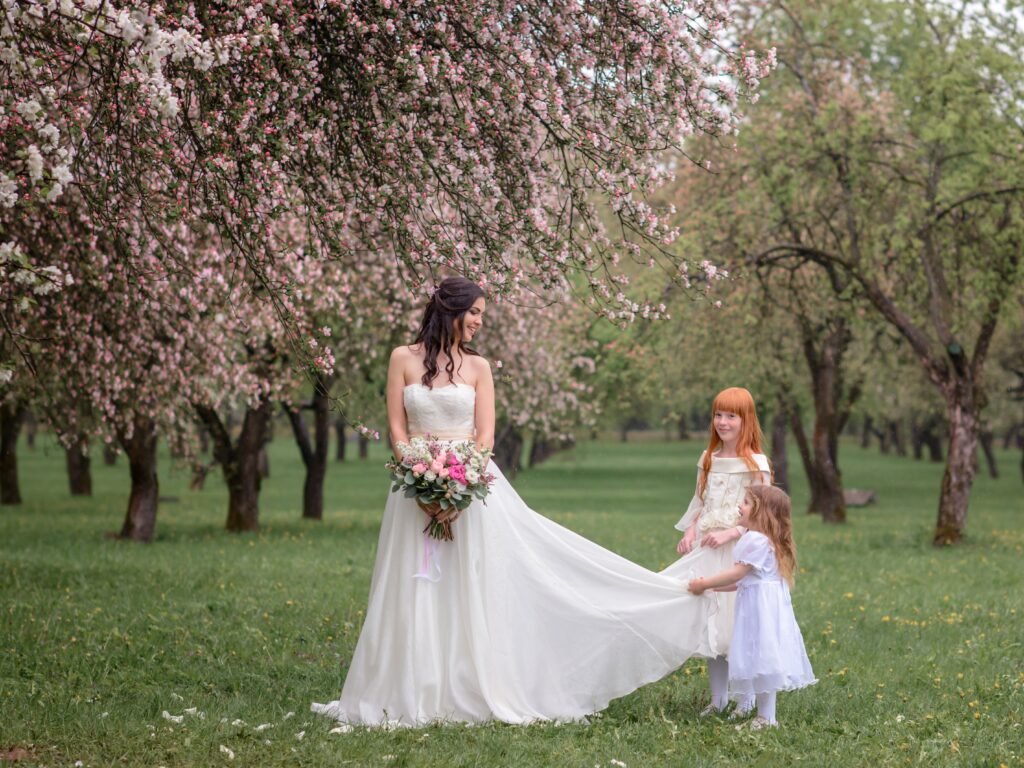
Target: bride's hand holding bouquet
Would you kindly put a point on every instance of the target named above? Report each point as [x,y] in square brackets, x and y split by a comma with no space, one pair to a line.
[444,478]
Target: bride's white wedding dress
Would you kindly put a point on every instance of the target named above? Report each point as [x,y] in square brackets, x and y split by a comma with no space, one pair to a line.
[518,619]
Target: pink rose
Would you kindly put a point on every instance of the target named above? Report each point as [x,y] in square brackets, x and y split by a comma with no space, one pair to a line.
[436,465]
[419,468]
[441,457]
[443,473]
[453,460]
[458,473]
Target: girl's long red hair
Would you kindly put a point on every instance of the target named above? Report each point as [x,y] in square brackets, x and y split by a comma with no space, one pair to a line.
[739,401]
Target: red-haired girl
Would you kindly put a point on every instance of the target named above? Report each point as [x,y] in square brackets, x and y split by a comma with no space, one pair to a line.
[732,462]
[767,651]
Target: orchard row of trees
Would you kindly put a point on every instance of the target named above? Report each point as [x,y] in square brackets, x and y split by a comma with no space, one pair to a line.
[872,217]
[211,209]
[213,212]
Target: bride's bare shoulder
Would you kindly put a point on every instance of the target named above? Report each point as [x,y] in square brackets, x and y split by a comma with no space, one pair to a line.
[406,352]
[481,365]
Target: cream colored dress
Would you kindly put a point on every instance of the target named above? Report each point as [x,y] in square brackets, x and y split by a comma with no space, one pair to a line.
[719,509]
[517,619]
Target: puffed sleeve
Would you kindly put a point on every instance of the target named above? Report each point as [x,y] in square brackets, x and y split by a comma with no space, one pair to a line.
[696,503]
[755,549]
[764,467]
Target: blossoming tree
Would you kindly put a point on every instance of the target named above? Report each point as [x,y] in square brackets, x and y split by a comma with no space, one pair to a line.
[476,138]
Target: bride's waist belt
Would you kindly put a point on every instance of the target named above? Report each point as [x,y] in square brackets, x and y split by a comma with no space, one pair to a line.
[441,434]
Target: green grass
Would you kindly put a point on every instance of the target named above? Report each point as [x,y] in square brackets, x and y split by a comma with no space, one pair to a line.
[919,651]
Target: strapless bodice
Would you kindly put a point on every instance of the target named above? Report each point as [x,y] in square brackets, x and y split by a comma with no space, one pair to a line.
[446,412]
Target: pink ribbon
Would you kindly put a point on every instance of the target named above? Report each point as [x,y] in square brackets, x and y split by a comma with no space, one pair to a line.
[430,569]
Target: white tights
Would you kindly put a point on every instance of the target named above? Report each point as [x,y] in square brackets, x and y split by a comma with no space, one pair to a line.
[718,676]
[766,706]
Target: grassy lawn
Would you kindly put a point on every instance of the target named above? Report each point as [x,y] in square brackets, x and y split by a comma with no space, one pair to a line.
[919,652]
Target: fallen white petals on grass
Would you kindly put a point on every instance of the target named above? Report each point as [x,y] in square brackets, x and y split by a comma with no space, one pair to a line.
[899,718]
[79,764]
[228,752]
[238,723]
[288,716]
[173,718]
[268,742]
[617,763]
[341,729]
[194,711]
[262,727]
[176,697]
[104,715]
[300,735]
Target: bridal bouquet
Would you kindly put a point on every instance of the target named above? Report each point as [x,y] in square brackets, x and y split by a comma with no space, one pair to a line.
[443,477]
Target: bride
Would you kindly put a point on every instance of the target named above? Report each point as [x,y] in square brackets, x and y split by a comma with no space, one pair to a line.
[517,619]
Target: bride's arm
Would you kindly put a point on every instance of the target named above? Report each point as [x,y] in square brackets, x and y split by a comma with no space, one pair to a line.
[398,429]
[485,407]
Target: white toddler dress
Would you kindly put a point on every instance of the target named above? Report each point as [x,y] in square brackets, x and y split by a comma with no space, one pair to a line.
[767,652]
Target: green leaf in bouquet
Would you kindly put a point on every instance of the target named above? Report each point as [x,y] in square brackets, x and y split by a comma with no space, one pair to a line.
[410,478]
[410,492]
[445,503]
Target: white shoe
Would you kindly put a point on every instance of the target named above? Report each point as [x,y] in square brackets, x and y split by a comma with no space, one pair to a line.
[740,714]
[757,724]
[709,711]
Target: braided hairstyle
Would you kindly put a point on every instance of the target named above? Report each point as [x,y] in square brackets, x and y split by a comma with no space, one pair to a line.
[443,316]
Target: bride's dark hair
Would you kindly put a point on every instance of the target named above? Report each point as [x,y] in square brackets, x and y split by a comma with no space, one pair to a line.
[452,299]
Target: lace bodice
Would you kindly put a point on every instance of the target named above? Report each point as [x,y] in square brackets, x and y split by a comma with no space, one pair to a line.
[726,486]
[446,412]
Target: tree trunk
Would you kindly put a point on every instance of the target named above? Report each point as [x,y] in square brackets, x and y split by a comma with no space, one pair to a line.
[780,462]
[11,415]
[508,450]
[244,476]
[540,451]
[823,352]
[961,464]
[926,435]
[364,446]
[240,463]
[199,473]
[987,438]
[884,439]
[698,421]
[339,431]
[895,431]
[866,432]
[31,428]
[109,455]
[802,444]
[140,519]
[314,456]
[1010,436]
[78,464]
[682,429]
